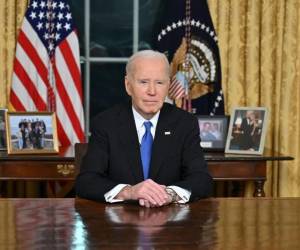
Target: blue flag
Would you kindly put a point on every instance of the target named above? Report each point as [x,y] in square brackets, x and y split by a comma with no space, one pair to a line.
[188,38]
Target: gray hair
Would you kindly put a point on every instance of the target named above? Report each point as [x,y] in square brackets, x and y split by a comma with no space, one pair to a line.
[146,54]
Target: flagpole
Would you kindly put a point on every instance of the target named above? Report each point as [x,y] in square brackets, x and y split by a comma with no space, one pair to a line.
[51,62]
[188,103]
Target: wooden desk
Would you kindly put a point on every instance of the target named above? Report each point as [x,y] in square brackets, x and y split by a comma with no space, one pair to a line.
[56,167]
[61,167]
[224,223]
[46,168]
[230,167]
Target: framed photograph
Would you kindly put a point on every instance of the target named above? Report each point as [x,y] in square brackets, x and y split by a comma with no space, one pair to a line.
[2,129]
[213,132]
[247,130]
[31,133]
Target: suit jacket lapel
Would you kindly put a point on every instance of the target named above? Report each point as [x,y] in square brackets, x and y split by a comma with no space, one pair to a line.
[129,139]
[162,141]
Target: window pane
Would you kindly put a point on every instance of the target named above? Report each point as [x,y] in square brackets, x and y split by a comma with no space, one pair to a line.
[107,86]
[111,28]
[77,8]
[150,13]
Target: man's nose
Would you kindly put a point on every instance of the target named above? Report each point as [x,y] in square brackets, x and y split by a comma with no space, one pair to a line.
[151,88]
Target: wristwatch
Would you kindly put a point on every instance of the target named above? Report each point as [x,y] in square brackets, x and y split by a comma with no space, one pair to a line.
[172,193]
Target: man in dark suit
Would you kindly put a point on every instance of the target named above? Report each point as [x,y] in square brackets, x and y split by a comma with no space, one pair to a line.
[115,167]
[248,130]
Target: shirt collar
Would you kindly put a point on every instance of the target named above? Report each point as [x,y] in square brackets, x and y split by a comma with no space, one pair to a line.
[139,120]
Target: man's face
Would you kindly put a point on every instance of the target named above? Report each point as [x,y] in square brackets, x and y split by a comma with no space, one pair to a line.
[207,127]
[250,114]
[148,85]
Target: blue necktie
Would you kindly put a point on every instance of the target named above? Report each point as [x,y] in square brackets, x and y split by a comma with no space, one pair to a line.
[146,147]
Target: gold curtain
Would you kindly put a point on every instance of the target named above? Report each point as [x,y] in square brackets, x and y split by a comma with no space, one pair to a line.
[259,44]
[11,16]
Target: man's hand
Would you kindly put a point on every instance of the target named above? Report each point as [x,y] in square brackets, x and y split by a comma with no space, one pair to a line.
[148,193]
[146,203]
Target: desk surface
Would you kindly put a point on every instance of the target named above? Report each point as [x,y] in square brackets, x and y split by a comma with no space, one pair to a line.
[207,224]
[68,153]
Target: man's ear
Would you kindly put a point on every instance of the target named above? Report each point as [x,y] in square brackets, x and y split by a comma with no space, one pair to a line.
[127,85]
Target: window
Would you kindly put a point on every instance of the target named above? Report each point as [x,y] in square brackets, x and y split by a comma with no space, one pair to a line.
[109,32]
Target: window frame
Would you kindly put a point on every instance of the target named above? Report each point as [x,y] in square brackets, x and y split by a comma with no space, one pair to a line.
[87,59]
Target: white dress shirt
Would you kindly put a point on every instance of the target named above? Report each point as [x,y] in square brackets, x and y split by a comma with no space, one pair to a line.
[139,123]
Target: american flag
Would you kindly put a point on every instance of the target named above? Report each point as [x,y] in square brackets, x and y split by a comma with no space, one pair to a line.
[179,86]
[46,74]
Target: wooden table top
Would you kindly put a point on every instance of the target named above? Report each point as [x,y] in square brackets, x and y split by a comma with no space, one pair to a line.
[68,153]
[224,223]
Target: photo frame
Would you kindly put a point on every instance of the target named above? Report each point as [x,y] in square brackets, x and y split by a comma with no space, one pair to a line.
[247,130]
[31,133]
[3,144]
[213,132]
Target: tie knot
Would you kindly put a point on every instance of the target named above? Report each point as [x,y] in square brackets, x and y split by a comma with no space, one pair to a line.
[148,125]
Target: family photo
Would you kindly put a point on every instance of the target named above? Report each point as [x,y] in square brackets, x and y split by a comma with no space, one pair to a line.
[213,131]
[2,129]
[246,131]
[31,132]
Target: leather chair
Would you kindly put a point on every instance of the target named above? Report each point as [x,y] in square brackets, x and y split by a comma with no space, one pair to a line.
[80,151]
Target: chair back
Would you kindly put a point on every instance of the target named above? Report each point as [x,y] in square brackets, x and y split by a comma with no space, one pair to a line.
[80,151]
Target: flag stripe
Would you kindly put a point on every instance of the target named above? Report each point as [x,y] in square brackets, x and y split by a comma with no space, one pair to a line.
[68,83]
[61,132]
[176,88]
[28,84]
[73,67]
[64,118]
[68,105]
[32,72]
[34,56]
[179,94]
[15,100]
[35,41]
[22,94]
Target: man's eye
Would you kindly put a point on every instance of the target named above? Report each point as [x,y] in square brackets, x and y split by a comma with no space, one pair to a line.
[143,81]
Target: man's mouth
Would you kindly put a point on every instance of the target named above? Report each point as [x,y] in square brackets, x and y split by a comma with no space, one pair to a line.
[150,102]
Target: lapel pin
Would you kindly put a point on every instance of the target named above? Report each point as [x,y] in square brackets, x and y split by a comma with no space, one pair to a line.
[167,132]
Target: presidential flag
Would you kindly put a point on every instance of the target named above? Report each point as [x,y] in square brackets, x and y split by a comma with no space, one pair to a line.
[46,73]
[188,38]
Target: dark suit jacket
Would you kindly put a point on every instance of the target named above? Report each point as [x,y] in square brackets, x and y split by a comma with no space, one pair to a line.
[113,154]
[246,140]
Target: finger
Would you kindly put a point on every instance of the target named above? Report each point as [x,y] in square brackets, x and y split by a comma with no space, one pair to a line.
[158,190]
[150,198]
[141,202]
[159,194]
[141,191]
[147,203]
[151,191]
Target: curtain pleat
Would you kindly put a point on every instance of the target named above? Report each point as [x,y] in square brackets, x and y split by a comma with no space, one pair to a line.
[259,44]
